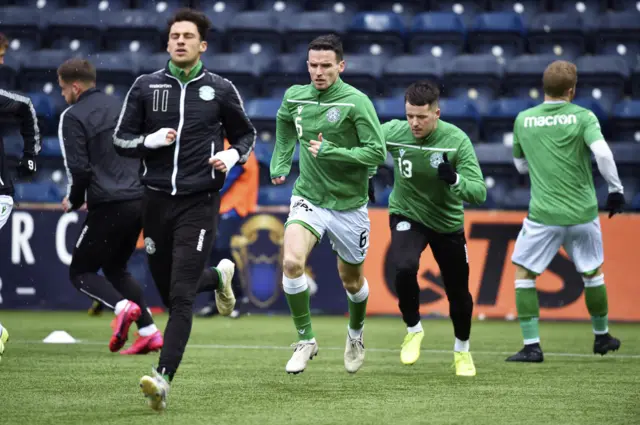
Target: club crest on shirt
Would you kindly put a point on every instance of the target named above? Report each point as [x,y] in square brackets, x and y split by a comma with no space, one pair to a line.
[333,114]
[436,159]
[300,108]
[402,151]
[149,245]
[207,93]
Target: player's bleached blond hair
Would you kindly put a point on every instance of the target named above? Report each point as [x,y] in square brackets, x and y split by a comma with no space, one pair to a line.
[559,77]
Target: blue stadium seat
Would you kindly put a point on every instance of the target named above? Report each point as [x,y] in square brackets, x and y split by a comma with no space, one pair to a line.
[523,75]
[589,10]
[462,113]
[635,204]
[375,33]
[275,195]
[115,72]
[560,34]
[403,70]
[47,6]
[304,27]
[75,29]
[242,69]
[22,25]
[255,32]
[439,34]
[104,5]
[9,75]
[264,151]
[618,33]
[389,108]
[149,64]
[626,5]
[132,30]
[39,70]
[476,77]
[285,71]
[37,192]
[278,6]
[624,121]
[162,7]
[594,106]
[348,8]
[497,124]
[635,81]
[220,13]
[527,9]
[517,199]
[406,9]
[602,77]
[363,72]
[262,113]
[498,33]
[51,148]
[466,9]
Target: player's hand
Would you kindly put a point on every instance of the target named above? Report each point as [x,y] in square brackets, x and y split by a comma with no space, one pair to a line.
[161,138]
[67,207]
[615,203]
[315,146]
[446,173]
[27,166]
[372,191]
[278,180]
[224,160]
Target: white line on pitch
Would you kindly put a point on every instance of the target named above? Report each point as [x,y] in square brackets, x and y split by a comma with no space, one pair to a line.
[378,350]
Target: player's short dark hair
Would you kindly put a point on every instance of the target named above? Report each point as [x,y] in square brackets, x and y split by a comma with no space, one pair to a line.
[559,77]
[422,93]
[4,41]
[328,42]
[77,69]
[199,19]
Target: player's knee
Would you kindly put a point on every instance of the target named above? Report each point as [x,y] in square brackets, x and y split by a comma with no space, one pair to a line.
[524,274]
[292,266]
[592,274]
[407,267]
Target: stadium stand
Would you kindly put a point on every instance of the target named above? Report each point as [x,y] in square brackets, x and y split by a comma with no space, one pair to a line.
[487,55]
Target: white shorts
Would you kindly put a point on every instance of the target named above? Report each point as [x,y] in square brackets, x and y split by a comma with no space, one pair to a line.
[537,244]
[6,205]
[348,230]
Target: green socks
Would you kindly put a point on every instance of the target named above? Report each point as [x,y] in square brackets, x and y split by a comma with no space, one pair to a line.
[528,310]
[297,293]
[595,295]
[358,309]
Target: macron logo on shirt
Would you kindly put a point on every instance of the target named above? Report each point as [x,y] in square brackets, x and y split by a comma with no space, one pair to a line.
[550,121]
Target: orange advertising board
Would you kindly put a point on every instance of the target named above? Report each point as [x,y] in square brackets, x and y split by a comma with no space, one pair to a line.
[491,237]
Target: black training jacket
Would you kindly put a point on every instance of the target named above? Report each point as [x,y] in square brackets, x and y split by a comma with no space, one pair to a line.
[93,166]
[199,110]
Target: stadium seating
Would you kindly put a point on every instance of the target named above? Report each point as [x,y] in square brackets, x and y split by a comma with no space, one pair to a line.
[488,57]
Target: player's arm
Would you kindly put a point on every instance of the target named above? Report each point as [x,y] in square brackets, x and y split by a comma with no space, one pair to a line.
[469,184]
[129,138]
[286,138]
[372,150]
[73,141]
[521,163]
[240,132]
[604,157]
[22,108]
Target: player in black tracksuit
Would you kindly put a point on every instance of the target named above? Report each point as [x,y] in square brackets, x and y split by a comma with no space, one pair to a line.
[16,108]
[174,120]
[110,187]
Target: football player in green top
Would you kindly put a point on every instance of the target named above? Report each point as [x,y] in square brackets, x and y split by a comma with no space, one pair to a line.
[435,171]
[341,144]
[553,142]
